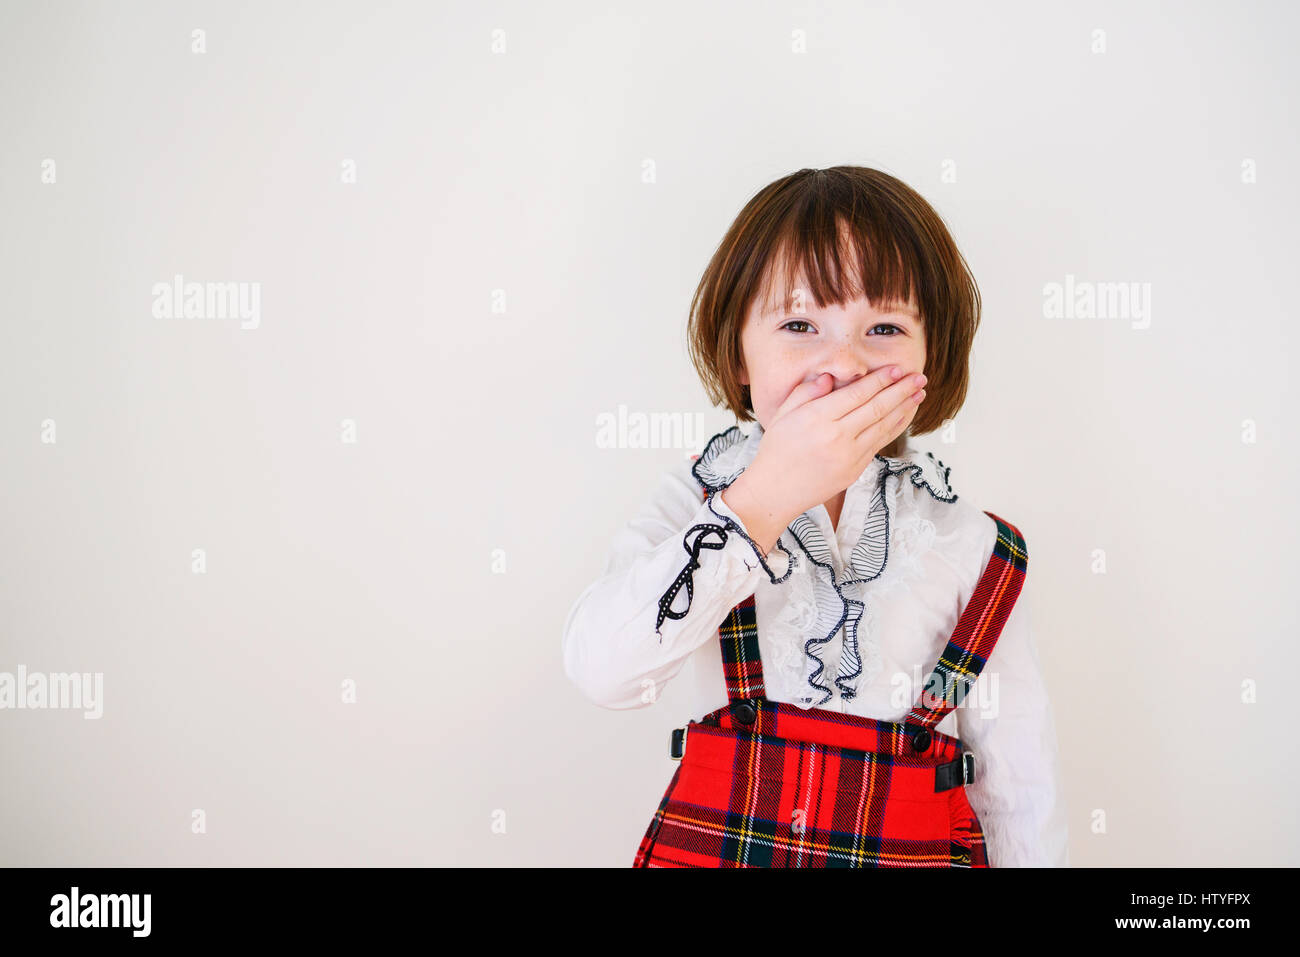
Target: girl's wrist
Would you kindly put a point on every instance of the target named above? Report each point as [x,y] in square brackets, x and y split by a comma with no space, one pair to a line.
[763,524]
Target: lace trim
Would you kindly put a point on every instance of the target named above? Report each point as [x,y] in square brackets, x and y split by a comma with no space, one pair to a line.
[914,535]
[797,617]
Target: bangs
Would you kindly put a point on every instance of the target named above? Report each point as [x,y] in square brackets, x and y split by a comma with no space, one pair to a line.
[836,256]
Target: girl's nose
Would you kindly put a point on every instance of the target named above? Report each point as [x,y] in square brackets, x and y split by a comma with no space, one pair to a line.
[841,380]
[845,367]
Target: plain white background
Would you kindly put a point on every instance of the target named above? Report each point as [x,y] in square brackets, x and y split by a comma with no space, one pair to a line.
[537,189]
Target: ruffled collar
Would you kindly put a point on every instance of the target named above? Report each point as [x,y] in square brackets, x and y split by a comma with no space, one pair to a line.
[730,452]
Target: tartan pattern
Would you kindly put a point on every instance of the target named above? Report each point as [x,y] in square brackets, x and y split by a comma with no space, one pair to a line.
[820,788]
[741,666]
[740,798]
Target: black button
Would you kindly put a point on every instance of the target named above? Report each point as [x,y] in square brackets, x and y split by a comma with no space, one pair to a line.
[744,712]
[921,740]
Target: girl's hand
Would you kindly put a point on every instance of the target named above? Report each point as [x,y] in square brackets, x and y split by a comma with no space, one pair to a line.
[820,442]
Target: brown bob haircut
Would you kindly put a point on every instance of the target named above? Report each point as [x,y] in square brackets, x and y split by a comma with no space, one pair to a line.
[813,222]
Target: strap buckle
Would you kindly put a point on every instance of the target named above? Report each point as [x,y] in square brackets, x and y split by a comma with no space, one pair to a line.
[678,745]
[956,773]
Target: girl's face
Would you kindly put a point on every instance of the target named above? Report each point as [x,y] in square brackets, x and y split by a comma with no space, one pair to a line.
[781,349]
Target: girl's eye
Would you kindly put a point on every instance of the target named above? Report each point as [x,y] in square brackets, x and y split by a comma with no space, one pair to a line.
[804,322]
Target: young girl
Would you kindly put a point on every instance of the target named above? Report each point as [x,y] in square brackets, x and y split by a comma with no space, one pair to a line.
[815,569]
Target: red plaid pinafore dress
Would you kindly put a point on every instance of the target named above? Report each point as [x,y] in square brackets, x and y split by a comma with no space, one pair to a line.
[769,784]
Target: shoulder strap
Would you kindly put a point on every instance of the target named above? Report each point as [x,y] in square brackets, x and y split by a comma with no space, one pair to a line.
[977,631]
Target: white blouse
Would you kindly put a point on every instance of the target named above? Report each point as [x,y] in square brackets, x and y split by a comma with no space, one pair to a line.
[850,618]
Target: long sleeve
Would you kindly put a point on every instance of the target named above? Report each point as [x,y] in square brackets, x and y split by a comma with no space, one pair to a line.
[1017,793]
[672,575]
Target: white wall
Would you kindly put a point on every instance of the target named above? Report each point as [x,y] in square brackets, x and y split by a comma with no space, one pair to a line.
[379,561]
